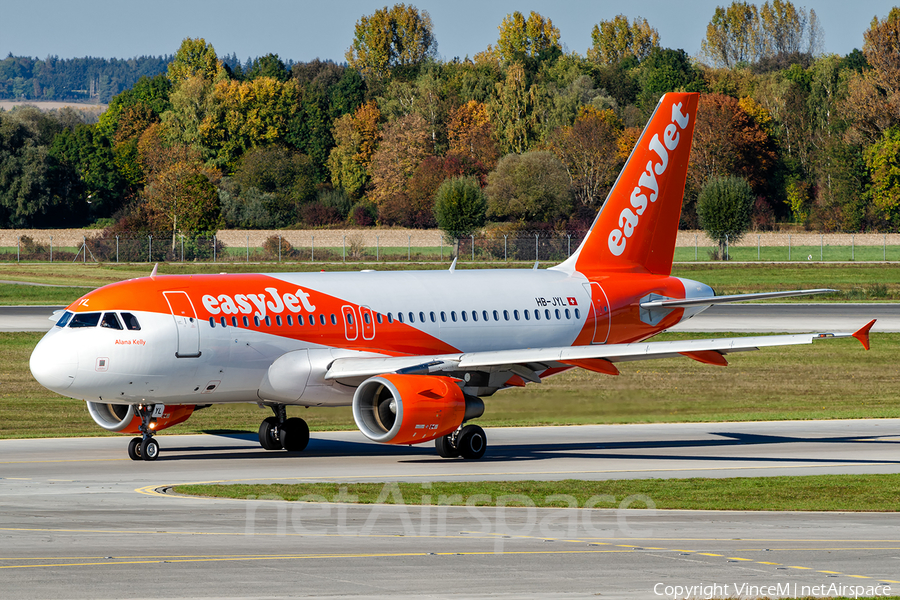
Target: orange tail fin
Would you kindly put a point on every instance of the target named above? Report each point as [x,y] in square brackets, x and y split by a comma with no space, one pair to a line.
[636,227]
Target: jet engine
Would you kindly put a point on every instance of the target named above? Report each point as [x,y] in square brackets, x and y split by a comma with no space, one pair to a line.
[411,409]
[123,418]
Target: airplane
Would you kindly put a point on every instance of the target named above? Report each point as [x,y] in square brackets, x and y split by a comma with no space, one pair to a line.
[413,352]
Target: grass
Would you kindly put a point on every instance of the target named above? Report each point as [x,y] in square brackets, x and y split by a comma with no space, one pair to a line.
[871,493]
[833,379]
[856,282]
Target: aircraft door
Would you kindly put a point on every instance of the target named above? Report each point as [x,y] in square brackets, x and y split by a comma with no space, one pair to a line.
[600,312]
[368,322]
[351,329]
[186,325]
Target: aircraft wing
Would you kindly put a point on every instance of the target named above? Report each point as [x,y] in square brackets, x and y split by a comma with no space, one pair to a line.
[527,361]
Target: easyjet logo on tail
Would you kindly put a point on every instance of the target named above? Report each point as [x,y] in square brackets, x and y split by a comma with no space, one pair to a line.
[647,189]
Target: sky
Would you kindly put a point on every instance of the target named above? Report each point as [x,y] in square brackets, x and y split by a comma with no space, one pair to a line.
[302,30]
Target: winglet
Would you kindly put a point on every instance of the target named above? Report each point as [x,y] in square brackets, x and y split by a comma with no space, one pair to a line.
[153,272]
[453,265]
[863,334]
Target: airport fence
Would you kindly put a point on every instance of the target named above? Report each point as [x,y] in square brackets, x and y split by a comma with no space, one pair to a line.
[413,246]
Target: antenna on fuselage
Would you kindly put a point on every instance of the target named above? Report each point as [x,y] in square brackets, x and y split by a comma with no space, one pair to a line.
[153,272]
[453,265]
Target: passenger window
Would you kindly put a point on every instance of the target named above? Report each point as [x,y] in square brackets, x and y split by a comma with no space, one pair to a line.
[85,320]
[256,320]
[378,318]
[390,318]
[443,317]
[268,321]
[547,313]
[212,322]
[474,315]
[527,314]
[568,314]
[577,314]
[422,317]
[496,316]
[412,318]
[349,318]
[367,318]
[234,321]
[246,322]
[64,319]
[464,316]
[506,315]
[299,320]
[290,321]
[433,318]
[516,314]
[453,315]
[223,322]
[557,315]
[537,315]
[400,317]
[321,319]
[333,319]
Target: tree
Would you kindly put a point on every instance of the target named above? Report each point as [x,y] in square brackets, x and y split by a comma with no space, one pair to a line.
[404,144]
[390,38]
[513,111]
[532,187]
[733,35]
[588,149]
[725,206]
[530,40]
[195,58]
[283,180]
[883,161]
[666,70]
[616,40]
[459,207]
[269,66]
[356,137]
[471,133]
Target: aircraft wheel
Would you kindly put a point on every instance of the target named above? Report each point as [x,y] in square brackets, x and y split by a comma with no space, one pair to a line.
[445,448]
[294,434]
[149,449]
[268,434]
[471,442]
[134,448]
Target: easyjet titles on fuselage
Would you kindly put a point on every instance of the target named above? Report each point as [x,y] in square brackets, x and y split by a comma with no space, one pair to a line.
[245,303]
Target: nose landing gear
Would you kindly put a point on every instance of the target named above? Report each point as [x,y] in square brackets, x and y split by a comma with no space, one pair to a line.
[144,447]
[291,434]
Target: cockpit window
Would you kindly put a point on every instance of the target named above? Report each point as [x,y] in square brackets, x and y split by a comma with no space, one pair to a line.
[110,321]
[85,320]
[64,319]
[131,322]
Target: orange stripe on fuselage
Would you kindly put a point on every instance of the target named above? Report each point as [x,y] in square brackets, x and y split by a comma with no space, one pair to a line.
[240,295]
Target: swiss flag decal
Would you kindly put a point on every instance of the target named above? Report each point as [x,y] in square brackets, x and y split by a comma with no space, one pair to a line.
[572,301]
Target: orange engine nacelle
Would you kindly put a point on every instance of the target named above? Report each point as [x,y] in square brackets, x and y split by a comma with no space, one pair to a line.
[122,418]
[411,409]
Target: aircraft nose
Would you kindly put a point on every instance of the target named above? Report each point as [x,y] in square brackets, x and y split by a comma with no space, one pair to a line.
[53,365]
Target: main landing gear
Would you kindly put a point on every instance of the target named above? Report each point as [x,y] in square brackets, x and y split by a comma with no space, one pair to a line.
[469,441]
[280,432]
[144,447]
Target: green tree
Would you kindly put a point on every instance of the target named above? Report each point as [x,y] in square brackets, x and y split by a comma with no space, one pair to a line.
[530,40]
[460,207]
[531,187]
[725,206]
[356,136]
[194,58]
[284,179]
[400,36]
[269,66]
[666,70]
[513,111]
[733,35]
[616,39]
[883,161]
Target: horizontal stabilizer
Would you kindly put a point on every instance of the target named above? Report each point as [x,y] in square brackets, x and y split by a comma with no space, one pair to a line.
[710,300]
